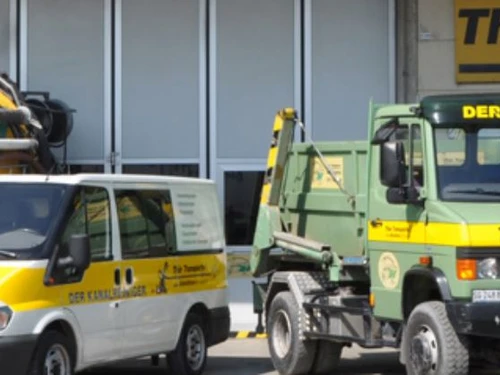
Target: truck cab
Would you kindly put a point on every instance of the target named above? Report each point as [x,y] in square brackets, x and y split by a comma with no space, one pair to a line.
[392,241]
[433,233]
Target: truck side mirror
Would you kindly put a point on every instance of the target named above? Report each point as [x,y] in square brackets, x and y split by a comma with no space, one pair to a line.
[79,252]
[392,164]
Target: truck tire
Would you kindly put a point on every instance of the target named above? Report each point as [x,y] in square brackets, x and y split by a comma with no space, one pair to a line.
[433,347]
[54,353]
[289,354]
[190,355]
[327,357]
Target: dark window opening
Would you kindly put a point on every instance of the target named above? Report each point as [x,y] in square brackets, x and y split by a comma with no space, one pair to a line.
[242,197]
[182,170]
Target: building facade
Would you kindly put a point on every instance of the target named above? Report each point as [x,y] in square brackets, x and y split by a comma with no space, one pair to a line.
[458,46]
[191,87]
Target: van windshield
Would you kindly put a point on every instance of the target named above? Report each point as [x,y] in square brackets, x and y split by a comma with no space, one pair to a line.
[27,212]
[468,163]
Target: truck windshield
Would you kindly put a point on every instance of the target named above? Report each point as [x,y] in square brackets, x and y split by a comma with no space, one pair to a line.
[27,212]
[468,163]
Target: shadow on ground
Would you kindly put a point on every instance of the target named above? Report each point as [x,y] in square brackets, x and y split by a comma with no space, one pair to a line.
[366,363]
[371,363]
[215,366]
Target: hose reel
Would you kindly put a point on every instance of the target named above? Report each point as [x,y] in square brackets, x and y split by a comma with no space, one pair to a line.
[36,123]
[55,116]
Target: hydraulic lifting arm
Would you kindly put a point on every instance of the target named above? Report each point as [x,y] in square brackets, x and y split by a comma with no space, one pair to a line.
[269,231]
[268,220]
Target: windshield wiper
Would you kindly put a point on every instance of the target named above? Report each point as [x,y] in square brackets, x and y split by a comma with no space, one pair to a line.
[475,191]
[8,254]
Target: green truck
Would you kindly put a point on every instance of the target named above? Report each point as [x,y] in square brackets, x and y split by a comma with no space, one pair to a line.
[389,242]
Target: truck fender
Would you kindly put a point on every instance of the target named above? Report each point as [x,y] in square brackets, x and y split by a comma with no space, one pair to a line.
[69,318]
[432,285]
[432,278]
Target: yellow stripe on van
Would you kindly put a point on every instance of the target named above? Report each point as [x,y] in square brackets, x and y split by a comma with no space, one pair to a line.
[23,288]
[447,234]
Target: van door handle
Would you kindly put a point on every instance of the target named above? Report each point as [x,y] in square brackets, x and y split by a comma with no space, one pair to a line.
[376,222]
[117,277]
[129,276]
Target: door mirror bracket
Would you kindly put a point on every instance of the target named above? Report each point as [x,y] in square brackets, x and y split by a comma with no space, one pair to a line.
[405,195]
[79,253]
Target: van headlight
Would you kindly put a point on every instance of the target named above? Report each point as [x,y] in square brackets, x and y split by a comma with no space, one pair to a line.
[5,315]
[487,268]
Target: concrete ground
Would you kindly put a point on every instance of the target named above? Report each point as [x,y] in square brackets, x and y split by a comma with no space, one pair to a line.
[251,357]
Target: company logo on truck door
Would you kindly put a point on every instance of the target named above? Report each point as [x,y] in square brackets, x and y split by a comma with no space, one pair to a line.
[477,28]
[481,111]
[389,270]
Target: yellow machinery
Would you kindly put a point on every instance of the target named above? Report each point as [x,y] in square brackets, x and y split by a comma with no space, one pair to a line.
[29,127]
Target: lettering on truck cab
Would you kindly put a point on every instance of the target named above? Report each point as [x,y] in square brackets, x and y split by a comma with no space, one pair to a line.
[481,111]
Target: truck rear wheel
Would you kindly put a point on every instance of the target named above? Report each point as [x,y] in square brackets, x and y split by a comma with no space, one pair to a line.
[289,354]
[433,347]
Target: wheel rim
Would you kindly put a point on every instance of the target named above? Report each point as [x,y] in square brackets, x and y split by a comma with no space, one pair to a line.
[195,342]
[57,361]
[281,334]
[424,352]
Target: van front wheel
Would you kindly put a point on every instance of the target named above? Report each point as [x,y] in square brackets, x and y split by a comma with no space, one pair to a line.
[190,355]
[53,355]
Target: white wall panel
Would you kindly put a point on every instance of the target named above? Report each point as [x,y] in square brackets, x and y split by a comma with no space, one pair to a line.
[253,73]
[5,36]
[160,79]
[66,56]
[349,63]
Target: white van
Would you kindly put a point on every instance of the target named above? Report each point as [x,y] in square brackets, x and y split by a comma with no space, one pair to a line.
[100,268]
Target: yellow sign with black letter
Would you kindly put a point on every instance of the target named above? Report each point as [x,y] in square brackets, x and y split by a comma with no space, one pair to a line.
[477,41]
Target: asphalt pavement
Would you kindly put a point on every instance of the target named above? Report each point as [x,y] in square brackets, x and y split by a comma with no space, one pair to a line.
[251,357]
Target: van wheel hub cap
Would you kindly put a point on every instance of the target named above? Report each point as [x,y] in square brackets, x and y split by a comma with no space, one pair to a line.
[195,342]
[57,361]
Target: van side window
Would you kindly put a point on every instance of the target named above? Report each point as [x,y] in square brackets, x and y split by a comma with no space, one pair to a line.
[91,215]
[145,223]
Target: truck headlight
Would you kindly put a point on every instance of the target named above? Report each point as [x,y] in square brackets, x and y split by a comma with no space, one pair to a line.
[487,268]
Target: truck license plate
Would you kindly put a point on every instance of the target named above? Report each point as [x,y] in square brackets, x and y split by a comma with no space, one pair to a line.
[486,296]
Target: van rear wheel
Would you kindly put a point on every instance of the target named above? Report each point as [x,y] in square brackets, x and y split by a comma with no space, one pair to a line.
[190,355]
[53,355]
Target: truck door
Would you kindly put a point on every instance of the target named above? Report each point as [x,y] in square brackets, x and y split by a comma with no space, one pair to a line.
[396,231]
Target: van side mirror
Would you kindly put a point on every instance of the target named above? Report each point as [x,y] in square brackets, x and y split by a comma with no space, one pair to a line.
[79,252]
[392,164]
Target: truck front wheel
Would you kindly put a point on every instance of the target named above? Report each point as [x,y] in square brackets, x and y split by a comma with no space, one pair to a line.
[289,354]
[433,347]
